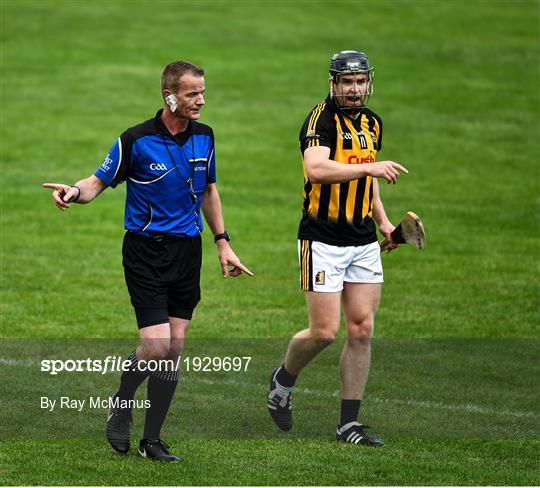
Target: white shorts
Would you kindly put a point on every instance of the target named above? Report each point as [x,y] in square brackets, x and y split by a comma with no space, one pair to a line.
[325,268]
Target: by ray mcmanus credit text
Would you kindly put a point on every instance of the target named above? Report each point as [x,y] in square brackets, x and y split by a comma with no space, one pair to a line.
[70,403]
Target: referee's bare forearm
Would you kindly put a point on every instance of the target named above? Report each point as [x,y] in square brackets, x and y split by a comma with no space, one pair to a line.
[211,207]
[90,188]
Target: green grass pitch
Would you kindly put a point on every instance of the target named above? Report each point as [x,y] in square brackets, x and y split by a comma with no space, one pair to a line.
[454,376]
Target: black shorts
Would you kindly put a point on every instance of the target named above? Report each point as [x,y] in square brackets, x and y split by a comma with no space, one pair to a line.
[162,275]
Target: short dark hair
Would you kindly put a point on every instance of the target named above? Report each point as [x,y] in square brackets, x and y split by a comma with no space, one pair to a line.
[170,78]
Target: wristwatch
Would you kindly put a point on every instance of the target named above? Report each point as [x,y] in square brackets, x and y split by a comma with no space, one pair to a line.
[225,236]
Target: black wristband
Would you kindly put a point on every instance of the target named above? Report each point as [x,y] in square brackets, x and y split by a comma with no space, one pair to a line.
[225,235]
[78,196]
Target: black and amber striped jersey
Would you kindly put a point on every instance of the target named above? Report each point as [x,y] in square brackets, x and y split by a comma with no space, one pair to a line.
[340,214]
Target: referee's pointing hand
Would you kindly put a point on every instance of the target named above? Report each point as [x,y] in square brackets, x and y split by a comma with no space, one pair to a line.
[62,194]
[227,257]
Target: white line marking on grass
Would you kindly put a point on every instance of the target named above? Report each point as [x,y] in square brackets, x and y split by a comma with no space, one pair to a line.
[16,362]
[469,407]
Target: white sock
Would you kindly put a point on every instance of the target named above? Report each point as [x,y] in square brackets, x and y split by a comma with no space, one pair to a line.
[283,391]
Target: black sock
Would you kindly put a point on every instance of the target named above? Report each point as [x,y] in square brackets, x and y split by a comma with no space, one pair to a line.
[349,411]
[161,387]
[131,379]
[284,378]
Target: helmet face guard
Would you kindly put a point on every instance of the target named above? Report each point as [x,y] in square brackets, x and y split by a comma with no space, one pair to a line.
[351,63]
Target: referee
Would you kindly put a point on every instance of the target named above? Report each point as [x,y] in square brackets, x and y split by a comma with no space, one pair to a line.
[168,164]
[337,243]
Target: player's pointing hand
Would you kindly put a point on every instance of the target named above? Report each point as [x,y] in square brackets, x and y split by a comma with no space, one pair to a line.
[389,170]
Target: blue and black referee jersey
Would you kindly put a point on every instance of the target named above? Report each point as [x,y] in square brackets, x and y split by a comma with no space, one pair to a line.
[165,176]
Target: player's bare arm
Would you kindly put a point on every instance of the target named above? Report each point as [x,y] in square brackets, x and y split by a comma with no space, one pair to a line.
[379,215]
[84,191]
[211,207]
[321,169]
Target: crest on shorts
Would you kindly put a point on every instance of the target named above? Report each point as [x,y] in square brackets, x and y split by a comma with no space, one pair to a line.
[319,278]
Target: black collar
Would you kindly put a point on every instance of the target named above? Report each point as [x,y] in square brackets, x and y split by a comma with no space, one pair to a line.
[181,138]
